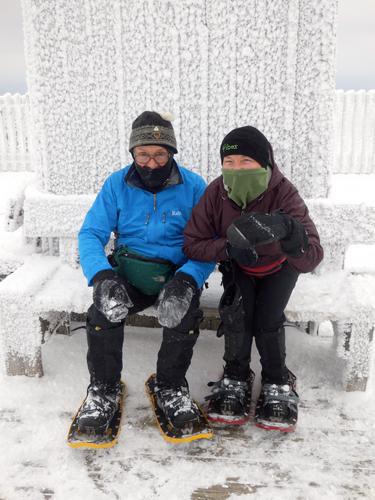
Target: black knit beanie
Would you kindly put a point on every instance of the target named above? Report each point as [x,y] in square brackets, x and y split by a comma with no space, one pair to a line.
[151,128]
[247,141]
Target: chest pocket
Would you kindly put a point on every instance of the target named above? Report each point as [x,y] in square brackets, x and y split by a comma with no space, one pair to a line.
[133,223]
[175,220]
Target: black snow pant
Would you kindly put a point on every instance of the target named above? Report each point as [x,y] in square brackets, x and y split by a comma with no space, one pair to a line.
[254,307]
[105,342]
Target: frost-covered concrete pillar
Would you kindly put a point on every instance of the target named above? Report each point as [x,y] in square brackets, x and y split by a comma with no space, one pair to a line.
[72,55]
[93,65]
[354,343]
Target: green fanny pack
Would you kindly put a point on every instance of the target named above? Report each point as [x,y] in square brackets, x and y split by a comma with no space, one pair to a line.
[147,274]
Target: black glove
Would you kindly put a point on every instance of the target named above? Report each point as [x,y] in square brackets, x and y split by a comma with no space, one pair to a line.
[296,242]
[255,229]
[110,295]
[175,299]
[243,256]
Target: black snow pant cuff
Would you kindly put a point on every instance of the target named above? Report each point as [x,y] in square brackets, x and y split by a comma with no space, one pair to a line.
[271,347]
[175,356]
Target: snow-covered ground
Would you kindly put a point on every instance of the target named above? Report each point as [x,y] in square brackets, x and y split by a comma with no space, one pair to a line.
[331,455]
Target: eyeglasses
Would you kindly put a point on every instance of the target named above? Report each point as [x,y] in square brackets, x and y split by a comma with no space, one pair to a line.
[159,158]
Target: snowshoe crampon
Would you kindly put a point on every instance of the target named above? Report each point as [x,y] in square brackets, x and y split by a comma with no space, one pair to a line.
[277,407]
[191,431]
[219,418]
[95,439]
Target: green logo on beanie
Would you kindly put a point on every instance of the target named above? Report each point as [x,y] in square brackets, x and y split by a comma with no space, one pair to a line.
[229,147]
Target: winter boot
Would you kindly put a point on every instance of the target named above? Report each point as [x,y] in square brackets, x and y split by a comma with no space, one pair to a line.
[277,406]
[176,404]
[230,400]
[98,408]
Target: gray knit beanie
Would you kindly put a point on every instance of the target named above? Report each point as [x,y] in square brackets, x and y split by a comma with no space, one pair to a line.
[151,128]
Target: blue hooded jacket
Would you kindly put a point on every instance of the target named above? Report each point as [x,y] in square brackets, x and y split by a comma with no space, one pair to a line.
[151,224]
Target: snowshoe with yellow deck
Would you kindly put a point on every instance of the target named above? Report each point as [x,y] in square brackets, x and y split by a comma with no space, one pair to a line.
[97,423]
[179,418]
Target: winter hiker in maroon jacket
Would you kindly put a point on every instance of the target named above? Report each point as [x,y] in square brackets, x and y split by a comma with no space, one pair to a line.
[253,221]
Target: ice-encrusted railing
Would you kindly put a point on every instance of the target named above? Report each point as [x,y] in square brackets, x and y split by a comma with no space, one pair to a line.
[15,134]
[354,129]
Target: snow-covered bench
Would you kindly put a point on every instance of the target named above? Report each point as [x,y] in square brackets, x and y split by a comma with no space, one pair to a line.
[41,296]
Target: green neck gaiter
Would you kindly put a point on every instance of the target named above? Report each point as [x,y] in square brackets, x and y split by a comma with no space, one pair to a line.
[244,186]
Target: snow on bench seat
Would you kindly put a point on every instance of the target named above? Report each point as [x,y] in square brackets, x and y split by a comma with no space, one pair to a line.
[66,290]
[360,258]
[13,251]
[337,295]
[37,299]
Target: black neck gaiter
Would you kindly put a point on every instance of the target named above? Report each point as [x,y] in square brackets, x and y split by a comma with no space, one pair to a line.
[154,179]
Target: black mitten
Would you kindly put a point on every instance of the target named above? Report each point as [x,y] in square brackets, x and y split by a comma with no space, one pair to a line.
[243,256]
[175,299]
[110,295]
[258,229]
[296,243]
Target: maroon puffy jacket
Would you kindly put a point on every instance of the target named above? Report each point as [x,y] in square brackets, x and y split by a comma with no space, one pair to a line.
[205,233]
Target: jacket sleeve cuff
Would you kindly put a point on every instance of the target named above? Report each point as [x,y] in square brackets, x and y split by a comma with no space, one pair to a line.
[104,274]
[187,278]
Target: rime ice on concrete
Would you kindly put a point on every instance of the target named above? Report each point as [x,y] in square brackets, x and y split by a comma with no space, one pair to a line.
[312,150]
[74,90]
[15,133]
[354,145]
[49,215]
[341,225]
[19,328]
[94,65]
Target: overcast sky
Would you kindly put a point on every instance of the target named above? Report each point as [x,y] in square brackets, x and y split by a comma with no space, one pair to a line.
[355,46]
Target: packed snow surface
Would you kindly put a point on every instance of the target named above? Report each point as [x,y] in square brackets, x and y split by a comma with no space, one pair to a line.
[331,454]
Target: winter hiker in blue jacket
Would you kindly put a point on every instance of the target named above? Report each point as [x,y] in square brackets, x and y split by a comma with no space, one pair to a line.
[146,205]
